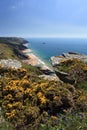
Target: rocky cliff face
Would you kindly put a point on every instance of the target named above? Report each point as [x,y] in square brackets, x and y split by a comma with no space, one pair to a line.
[70,67]
[55,60]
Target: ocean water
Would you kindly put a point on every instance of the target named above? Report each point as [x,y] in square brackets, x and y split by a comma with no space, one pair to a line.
[47,47]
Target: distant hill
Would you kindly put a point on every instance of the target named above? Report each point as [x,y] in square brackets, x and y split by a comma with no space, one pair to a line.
[11,47]
[13,40]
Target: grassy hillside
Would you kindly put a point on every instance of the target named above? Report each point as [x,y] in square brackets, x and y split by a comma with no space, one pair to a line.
[11,48]
[32,103]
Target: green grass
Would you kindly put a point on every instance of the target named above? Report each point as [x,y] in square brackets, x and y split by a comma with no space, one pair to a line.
[67,122]
[82,85]
[6,52]
[77,71]
[11,48]
[5,127]
[63,68]
[32,69]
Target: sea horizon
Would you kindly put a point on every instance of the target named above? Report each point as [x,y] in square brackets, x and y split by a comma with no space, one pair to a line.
[45,48]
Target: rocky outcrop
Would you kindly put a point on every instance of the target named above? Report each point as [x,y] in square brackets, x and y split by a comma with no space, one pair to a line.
[63,76]
[57,61]
[10,63]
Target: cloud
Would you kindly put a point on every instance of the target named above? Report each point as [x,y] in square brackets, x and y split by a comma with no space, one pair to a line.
[13,7]
[17,4]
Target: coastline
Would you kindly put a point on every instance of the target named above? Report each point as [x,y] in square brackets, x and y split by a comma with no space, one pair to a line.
[34,60]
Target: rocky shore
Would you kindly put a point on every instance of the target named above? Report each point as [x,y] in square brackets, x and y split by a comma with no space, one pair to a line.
[69,65]
[55,60]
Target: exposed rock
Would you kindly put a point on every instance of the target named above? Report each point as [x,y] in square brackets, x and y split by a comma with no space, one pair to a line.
[49,77]
[11,63]
[64,76]
[57,60]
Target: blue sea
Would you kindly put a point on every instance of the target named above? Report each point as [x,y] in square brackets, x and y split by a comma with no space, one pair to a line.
[44,48]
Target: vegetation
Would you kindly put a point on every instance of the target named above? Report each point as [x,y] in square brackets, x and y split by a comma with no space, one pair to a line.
[66,122]
[32,103]
[11,48]
[77,71]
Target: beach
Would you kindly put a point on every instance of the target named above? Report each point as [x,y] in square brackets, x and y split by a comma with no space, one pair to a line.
[27,51]
[33,60]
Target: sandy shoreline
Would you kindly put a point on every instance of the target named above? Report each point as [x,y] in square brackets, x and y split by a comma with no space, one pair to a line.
[34,60]
[27,51]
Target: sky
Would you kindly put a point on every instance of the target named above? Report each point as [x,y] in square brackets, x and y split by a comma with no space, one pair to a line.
[43,18]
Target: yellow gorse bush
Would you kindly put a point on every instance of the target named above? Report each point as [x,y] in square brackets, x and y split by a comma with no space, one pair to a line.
[10,115]
[41,97]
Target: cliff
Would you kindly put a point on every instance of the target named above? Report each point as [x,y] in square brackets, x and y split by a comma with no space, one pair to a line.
[10,47]
[55,60]
[27,101]
[71,68]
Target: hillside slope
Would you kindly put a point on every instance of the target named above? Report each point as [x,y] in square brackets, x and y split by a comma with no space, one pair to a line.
[29,102]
